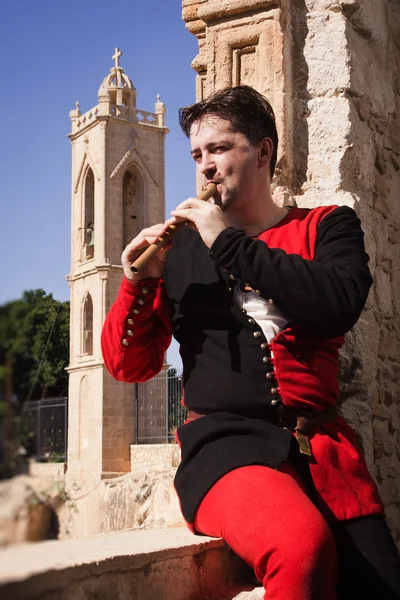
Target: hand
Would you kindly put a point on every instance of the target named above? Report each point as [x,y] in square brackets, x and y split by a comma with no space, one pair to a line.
[154,268]
[208,219]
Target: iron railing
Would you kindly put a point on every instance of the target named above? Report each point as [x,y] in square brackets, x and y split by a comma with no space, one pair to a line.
[45,425]
[158,411]
[158,414]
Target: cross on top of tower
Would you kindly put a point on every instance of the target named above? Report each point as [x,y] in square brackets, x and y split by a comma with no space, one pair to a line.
[117,79]
[116,56]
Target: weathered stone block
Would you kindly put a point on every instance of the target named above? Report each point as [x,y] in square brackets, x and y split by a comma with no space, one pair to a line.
[327,54]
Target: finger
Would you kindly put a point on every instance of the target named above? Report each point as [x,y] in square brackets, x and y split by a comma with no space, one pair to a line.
[170,221]
[191,203]
[138,246]
[184,214]
[165,248]
[158,229]
[151,239]
[175,219]
[192,225]
[140,241]
[162,253]
[134,250]
[137,243]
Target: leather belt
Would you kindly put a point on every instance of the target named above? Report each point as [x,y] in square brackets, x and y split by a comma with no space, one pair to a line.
[301,422]
[305,420]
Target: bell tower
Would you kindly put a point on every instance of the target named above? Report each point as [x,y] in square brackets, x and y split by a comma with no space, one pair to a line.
[117,189]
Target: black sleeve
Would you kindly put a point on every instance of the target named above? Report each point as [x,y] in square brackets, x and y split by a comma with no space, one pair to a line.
[325,294]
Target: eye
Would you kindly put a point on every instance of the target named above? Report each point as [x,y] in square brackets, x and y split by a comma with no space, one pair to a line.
[221,148]
[196,157]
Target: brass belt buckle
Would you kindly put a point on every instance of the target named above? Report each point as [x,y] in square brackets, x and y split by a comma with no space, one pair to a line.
[304,443]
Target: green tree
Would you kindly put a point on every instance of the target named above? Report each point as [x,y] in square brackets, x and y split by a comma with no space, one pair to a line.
[34,344]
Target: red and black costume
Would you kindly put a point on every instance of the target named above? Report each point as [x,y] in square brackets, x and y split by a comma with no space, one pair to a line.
[313,266]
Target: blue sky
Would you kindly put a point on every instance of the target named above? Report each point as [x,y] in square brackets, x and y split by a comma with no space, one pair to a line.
[55,52]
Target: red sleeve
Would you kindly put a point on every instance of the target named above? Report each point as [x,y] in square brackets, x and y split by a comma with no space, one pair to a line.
[137,331]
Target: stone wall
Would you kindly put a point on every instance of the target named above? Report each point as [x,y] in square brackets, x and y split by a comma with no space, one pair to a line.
[29,504]
[154,458]
[53,471]
[42,506]
[370,170]
[132,501]
[331,71]
[142,499]
[140,565]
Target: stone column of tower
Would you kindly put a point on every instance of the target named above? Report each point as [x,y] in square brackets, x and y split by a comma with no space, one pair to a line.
[117,189]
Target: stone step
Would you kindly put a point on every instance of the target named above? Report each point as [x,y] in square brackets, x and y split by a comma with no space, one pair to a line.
[257,594]
[165,564]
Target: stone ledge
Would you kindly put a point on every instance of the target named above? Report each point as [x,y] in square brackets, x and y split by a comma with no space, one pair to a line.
[134,565]
[154,458]
[55,471]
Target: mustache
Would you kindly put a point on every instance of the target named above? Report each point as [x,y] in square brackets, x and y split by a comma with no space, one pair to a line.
[216,181]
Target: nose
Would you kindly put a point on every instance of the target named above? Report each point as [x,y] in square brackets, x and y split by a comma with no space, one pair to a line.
[207,166]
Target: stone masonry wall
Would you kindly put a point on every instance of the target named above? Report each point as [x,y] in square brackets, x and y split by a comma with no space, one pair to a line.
[154,458]
[352,95]
[331,71]
[371,170]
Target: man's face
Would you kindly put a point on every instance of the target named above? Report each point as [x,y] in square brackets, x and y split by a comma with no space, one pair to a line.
[226,157]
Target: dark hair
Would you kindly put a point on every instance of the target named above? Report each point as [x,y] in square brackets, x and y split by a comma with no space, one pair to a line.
[246,109]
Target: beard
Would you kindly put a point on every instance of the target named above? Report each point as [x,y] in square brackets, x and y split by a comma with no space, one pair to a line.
[226,199]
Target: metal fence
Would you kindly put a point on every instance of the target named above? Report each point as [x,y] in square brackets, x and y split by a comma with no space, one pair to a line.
[158,414]
[159,411]
[45,425]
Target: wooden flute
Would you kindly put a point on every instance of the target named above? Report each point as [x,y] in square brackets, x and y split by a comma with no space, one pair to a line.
[143,259]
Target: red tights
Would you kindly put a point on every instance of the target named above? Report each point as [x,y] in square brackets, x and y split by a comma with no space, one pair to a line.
[265,516]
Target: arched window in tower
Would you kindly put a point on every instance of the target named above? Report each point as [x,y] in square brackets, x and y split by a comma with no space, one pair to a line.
[88,230]
[87,337]
[133,204]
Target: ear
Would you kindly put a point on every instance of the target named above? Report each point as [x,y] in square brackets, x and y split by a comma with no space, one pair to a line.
[265,152]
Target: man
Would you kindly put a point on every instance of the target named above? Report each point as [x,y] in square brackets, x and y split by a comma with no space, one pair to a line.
[259,297]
